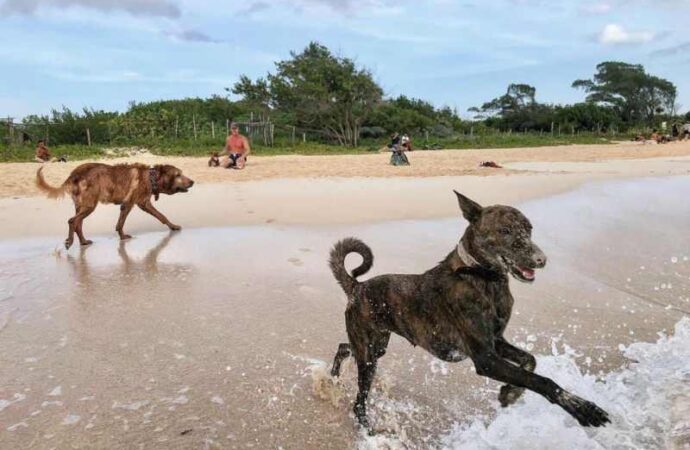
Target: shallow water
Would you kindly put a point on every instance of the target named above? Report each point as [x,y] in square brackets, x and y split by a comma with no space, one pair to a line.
[220,337]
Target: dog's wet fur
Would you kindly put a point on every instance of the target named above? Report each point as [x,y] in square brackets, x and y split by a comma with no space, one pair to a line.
[126,185]
[458,309]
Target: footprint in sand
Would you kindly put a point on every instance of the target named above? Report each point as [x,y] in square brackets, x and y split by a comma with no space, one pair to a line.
[305,250]
[270,220]
[296,262]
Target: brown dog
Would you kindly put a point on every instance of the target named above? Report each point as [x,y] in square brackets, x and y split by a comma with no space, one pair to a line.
[123,184]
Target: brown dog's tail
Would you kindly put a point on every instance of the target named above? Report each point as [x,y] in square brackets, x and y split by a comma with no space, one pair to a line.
[337,262]
[51,192]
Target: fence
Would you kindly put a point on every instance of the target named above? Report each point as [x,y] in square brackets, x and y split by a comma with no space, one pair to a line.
[139,131]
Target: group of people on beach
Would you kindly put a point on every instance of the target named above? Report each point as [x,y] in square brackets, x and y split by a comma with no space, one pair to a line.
[678,133]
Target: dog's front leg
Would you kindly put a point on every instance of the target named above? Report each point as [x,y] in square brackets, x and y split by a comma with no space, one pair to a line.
[125,208]
[488,363]
[510,394]
[149,208]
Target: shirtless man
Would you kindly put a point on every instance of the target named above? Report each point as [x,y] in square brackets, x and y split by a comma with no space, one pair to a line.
[236,148]
[42,152]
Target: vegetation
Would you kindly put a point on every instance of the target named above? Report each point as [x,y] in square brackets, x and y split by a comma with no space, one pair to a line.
[316,102]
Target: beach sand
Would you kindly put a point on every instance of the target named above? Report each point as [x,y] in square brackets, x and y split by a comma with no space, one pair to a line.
[220,336]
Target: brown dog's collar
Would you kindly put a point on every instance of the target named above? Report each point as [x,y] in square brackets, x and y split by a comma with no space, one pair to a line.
[153,180]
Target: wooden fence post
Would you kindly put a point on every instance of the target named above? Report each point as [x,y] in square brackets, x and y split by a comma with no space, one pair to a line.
[194,125]
[88,137]
[177,126]
[293,135]
[551,128]
[213,129]
[304,137]
[227,127]
[472,131]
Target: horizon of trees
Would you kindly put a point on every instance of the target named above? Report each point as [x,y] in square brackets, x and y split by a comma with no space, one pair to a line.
[339,102]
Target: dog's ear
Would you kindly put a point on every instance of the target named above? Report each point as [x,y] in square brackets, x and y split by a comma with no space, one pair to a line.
[470,210]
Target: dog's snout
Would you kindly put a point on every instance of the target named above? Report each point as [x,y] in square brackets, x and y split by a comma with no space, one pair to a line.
[540,260]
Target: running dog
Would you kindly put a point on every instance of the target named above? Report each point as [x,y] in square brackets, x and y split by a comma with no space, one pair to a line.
[458,309]
[122,184]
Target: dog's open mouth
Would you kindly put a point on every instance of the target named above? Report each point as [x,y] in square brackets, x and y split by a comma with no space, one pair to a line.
[182,189]
[524,274]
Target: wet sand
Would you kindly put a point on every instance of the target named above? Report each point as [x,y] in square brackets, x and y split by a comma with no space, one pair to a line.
[215,337]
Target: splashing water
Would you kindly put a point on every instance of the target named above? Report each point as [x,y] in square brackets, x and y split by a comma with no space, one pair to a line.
[647,402]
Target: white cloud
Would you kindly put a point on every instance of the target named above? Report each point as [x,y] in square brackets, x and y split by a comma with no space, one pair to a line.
[152,8]
[614,34]
[596,8]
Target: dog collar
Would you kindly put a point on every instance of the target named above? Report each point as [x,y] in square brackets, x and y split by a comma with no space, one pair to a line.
[153,180]
[465,256]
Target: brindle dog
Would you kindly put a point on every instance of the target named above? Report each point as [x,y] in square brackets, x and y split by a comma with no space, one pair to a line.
[122,184]
[459,308]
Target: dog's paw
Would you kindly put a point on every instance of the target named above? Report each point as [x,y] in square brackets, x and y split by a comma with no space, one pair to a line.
[124,237]
[86,243]
[509,394]
[68,243]
[586,413]
[175,227]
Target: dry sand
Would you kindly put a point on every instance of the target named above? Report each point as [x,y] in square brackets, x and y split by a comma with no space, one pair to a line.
[16,179]
[340,189]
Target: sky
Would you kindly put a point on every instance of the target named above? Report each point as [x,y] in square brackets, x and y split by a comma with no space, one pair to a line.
[103,54]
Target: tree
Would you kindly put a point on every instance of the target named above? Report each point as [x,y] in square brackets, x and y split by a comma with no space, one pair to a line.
[518,97]
[318,90]
[636,95]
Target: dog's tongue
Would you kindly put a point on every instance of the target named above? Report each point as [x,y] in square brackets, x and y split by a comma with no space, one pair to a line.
[527,273]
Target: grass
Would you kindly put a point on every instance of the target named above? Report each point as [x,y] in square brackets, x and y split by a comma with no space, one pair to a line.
[204,147]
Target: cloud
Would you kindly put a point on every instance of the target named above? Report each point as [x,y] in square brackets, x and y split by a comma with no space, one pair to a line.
[151,8]
[348,7]
[681,49]
[192,36]
[596,8]
[614,34]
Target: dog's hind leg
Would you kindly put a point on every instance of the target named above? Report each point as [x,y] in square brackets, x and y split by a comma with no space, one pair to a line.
[342,353]
[368,346]
[510,394]
[82,214]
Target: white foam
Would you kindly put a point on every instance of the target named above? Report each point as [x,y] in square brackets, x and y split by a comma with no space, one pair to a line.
[640,400]
[130,406]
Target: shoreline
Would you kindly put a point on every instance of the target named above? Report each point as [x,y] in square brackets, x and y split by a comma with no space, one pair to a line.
[329,201]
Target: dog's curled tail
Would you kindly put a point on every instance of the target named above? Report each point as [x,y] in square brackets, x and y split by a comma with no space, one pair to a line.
[337,262]
[51,192]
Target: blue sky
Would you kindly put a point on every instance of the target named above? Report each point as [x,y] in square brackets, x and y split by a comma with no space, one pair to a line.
[106,53]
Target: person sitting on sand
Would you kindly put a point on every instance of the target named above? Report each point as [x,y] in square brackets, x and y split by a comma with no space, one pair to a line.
[42,152]
[236,149]
[398,157]
[406,143]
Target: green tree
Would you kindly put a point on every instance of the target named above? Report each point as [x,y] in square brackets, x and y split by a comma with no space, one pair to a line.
[518,98]
[319,90]
[636,95]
